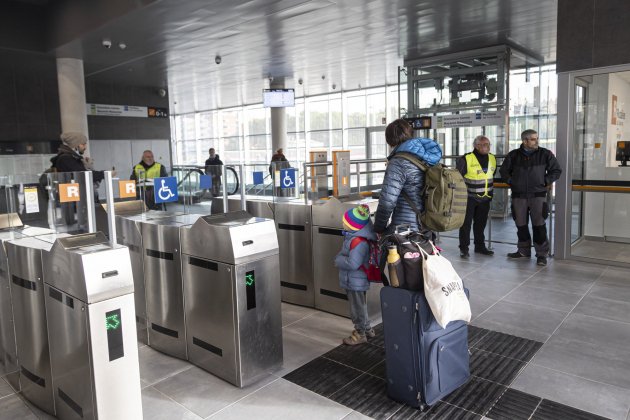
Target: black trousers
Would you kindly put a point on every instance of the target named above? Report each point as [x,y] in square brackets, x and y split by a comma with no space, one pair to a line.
[476,216]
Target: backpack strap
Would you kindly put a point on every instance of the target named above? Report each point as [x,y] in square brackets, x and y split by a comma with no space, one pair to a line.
[413,159]
[356,241]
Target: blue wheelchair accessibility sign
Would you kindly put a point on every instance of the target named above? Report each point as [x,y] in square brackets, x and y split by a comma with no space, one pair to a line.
[287,178]
[258,178]
[165,189]
[205,182]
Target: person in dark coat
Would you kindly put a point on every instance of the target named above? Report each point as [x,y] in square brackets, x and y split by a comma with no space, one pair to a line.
[531,171]
[70,156]
[402,175]
[214,166]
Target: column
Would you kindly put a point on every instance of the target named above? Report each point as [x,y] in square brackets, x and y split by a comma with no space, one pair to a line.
[278,122]
[71,84]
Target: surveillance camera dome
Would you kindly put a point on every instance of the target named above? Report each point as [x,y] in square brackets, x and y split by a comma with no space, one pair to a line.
[162,92]
[300,81]
[334,86]
[107,43]
[217,59]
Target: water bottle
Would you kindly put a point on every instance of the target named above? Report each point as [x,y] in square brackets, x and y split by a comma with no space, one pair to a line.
[392,258]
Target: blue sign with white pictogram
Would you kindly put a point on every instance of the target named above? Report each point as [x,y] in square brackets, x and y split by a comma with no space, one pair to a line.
[258,178]
[287,178]
[205,182]
[165,189]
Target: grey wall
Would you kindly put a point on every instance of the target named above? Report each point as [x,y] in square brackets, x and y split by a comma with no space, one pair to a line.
[592,33]
[119,128]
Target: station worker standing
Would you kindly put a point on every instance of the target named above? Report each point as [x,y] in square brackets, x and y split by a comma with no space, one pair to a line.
[477,168]
[144,173]
[530,170]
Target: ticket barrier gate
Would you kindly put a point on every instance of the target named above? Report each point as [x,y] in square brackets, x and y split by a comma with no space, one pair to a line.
[232,295]
[93,344]
[29,313]
[163,282]
[128,233]
[327,242]
[8,351]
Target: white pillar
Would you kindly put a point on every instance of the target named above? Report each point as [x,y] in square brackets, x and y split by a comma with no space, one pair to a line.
[71,84]
[278,122]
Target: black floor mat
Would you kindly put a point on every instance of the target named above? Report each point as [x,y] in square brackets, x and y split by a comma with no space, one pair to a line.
[355,376]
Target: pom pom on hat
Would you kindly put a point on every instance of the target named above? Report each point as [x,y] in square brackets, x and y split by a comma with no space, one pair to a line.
[73,139]
[354,219]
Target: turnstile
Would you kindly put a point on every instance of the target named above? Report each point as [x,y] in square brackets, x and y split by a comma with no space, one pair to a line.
[128,233]
[93,345]
[8,351]
[327,242]
[29,314]
[232,294]
[163,282]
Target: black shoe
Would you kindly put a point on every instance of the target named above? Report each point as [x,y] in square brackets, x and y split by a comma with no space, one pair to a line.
[484,251]
[517,255]
[541,261]
[464,253]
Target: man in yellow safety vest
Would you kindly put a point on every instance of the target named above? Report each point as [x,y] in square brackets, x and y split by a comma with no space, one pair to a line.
[144,173]
[477,168]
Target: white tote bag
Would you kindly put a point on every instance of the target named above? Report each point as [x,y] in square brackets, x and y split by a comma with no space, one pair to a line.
[444,289]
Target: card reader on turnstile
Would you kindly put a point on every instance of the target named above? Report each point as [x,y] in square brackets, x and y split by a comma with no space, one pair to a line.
[92,329]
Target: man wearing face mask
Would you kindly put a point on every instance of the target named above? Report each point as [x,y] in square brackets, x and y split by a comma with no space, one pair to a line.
[530,170]
[70,156]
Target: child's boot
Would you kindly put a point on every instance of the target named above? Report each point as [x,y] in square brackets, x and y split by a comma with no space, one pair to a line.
[354,339]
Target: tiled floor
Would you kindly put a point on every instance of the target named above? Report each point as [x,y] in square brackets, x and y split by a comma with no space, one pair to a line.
[581,312]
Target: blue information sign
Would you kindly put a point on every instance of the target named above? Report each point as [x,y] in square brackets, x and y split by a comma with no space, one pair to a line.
[258,178]
[165,189]
[205,182]
[287,178]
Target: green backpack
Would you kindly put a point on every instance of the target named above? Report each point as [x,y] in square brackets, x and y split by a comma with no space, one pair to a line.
[445,196]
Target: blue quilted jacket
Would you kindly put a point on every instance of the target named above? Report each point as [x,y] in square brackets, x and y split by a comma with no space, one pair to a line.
[349,261]
[402,175]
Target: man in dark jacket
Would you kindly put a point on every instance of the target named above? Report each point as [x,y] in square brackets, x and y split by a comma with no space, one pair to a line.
[214,167]
[530,170]
[403,176]
[70,156]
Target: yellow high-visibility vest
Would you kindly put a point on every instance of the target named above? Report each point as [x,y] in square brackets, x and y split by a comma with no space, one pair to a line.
[152,172]
[479,183]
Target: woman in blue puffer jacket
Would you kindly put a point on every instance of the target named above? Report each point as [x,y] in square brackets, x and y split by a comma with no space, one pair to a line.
[402,175]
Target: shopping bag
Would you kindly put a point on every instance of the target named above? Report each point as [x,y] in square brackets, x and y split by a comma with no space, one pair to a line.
[444,289]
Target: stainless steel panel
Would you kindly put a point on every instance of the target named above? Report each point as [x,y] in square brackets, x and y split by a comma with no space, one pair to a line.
[293,224]
[261,208]
[8,351]
[234,204]
[210,317]
[128,233]
[163,282]
[224,337]
[27,293]
[70,355]
[329,212]
[237,237]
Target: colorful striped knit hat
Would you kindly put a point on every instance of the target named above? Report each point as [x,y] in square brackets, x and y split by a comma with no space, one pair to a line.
[354,219]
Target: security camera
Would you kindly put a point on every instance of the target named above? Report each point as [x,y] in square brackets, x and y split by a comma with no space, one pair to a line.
[107,43]
[162,92]
[334,86]
[217,59]
[300,81]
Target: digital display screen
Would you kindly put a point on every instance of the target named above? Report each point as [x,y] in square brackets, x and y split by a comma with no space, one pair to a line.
[278,98]
[250,289]
[113,326]
[420,123]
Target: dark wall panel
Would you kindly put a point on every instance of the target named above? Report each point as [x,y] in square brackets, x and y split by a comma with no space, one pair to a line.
[592,33]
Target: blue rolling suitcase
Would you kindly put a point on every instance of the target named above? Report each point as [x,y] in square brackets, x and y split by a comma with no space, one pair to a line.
[424,362]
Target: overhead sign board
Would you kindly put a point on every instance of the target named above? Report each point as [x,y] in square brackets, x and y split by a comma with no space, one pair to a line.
[104,110]
[476,119]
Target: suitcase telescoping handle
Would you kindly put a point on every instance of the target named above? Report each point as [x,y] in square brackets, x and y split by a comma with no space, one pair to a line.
[403,228]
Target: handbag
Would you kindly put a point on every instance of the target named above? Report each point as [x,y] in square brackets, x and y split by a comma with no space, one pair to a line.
[409,266]
[444,289]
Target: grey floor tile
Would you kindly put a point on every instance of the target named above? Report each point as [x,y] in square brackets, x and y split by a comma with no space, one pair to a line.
[596,331]
[574,269]
[551,299]
[355,415]
[610,291]
[12,407]
[479,303]
[527,321]
[604,308]
[601,399]
[293,313]
[157,406]
[502,275]
[283,400]
[326,328]
[203,393]
[596,362]
[41,415]
[617,276]
[299,349]
[155,366]
[561,284]
[490,287]
[5,388]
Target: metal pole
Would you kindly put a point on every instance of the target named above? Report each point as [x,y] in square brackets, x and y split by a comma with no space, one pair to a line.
[89,201]
[305,183]
[550,231]
[240,174]
[225,195]
[111,216]
[358,177]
